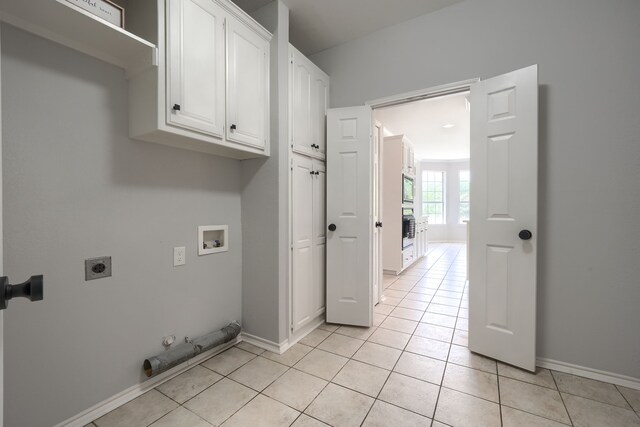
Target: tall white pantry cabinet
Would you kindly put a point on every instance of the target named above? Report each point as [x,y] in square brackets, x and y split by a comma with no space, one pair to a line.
[309,99]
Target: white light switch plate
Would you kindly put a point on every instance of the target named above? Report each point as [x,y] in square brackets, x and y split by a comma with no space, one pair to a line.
[179,256]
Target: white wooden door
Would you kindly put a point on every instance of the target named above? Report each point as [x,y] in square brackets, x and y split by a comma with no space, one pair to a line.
[378,137]
[319,238]
[349,215]
[196,66]
[504,192]
[303,229]
[247,86]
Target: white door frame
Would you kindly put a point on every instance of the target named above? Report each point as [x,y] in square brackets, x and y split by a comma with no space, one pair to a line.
[420,94]
[1,264]
[377,214]
[417,95]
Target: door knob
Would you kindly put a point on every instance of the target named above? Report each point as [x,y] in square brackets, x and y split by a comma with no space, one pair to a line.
[176,107]
[332,227]
[233,127]
[525,235]
[31,289]
[378,224]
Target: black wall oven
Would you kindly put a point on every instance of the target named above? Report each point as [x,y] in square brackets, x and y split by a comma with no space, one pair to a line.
[408,227]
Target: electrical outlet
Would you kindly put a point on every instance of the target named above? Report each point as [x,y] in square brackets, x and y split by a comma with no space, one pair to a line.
[97,268]
[179,256]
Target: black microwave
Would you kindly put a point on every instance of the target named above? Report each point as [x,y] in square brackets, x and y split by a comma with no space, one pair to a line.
[407,189]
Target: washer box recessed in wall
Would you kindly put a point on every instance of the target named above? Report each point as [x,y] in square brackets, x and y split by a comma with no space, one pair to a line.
[213,239]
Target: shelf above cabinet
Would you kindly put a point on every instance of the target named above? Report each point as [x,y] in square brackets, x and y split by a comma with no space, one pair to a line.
[67,24]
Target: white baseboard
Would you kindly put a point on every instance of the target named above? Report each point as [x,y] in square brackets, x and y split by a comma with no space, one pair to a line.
[266,344]
[286,344]
[296,336]
[594,374]
[131,393]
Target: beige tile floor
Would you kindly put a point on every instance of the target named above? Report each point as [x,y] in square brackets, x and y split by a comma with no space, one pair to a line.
[411,369]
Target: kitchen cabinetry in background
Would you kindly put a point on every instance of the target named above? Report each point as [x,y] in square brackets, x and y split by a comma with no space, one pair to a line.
[399,251]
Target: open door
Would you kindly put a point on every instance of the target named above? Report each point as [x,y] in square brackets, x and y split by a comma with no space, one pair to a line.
[349,215]
[504,203]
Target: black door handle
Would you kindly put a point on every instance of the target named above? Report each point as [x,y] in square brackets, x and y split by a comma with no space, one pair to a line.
[31,289]
[233,127]
[525,235]
[176,107]
[378,224]
[332,227]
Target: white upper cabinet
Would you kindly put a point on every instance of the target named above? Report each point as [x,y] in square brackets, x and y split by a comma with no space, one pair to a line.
[309,103]
[211,90]
[195,66]
[247,86]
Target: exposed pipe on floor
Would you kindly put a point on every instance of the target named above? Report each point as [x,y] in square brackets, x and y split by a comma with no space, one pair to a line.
[182,352]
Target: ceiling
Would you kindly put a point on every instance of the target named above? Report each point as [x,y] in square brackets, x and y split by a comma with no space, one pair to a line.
[316,25]
[422,122]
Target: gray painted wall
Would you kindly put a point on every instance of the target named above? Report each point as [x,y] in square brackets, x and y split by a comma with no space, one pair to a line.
[75,186]
[265,296]
[589,59]
[453,230]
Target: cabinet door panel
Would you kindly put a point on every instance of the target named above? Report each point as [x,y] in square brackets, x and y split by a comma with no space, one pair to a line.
[247,86]
[319,205]
[319,277]
[303,247]
[301,108]
[319,237]
[196,66]
[319,104]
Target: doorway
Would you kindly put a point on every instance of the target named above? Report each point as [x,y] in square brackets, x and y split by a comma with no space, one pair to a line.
[423,169]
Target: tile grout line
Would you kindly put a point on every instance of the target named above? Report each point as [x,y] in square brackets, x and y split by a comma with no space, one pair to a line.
[387,379]
[444,372]
[626,400]
[561,398]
